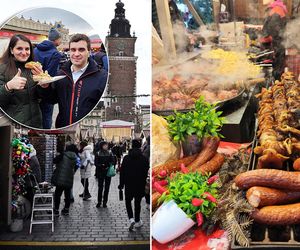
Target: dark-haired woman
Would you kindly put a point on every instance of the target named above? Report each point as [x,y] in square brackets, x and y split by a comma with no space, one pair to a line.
[63,176]
[18,92]
[103,160]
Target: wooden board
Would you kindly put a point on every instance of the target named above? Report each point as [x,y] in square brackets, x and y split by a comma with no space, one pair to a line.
[166,28]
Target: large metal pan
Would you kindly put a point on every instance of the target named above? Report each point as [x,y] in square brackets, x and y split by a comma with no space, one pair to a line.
[219,105]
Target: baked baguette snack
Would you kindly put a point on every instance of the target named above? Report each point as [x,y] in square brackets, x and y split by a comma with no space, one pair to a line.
[30,65]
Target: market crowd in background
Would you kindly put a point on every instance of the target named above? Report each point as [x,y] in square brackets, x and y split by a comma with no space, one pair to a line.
[128,160]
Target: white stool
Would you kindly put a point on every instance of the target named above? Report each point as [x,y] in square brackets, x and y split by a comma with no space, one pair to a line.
[42,205]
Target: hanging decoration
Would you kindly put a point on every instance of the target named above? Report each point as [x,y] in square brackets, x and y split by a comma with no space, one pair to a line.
[21,149]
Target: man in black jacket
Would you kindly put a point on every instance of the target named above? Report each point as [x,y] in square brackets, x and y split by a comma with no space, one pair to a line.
[272,32]
[81,89]
[133,176]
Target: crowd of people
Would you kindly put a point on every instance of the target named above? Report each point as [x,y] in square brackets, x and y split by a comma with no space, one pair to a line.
[30,103]
[106,159]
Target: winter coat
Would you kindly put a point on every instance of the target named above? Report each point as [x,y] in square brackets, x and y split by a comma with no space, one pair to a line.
[101,59]
[103,160]
[76,100]
[117,151]
[35,168]
[87,161]
[134,173]
[21,105]
[64,172]
[146,151]
[47,54]
[273,31]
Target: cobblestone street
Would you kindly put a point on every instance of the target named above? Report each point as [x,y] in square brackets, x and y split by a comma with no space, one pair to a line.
[86,223]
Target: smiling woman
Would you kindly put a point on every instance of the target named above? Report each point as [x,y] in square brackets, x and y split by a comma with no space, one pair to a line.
[17,100]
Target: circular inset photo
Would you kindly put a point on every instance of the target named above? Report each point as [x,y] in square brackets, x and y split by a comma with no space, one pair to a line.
[53,68]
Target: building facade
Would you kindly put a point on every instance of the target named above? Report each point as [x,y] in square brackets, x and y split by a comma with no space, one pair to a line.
[35,30]
[120,100]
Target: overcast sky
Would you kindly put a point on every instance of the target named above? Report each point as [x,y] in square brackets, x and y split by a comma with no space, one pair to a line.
[95,17]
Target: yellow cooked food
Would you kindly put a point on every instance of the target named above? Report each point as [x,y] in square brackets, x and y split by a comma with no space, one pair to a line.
[232,63]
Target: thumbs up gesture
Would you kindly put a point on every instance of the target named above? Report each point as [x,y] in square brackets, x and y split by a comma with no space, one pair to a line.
[18,82]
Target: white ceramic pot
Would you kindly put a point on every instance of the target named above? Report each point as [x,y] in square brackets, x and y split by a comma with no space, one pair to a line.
[169,222]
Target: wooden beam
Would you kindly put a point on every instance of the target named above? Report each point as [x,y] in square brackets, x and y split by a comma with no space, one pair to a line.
[289,6]
[194,12]
[166,28]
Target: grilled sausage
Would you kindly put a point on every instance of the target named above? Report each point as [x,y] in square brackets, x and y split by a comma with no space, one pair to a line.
[210,146]
[278,215]
[211,166]
[155,197]
[296,164]
[173,166]
[269,178]
[264,196]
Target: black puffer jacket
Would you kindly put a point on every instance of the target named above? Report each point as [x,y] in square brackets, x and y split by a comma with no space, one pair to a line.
[64,172]
[21,105]
[76,99]
[103,160]
[134,173]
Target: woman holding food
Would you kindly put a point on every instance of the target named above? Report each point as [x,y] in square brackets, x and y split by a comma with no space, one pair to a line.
[18,92]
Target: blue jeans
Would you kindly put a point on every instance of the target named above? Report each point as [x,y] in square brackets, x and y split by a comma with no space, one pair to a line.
[47,112]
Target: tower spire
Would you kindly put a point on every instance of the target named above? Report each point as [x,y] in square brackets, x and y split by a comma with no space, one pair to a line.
[120,26]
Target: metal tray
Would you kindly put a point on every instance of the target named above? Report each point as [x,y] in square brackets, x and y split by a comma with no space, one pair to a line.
[270,237]
[219,105]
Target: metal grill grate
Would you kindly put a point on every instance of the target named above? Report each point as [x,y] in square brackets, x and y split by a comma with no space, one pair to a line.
[271,237]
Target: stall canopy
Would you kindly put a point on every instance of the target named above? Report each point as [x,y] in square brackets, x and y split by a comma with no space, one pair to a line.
[116,130]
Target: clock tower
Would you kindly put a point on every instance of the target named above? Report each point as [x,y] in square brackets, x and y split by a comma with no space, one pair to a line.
[121,88]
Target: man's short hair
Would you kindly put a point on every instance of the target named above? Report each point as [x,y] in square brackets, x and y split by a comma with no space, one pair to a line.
[80,37]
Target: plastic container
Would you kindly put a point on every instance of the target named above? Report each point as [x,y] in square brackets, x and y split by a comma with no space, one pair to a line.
[169,222]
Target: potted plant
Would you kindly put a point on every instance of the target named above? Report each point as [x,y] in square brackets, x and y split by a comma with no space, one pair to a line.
[190,128]
[187,198]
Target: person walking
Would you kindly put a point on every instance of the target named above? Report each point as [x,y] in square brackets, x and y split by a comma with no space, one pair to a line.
[103,160]
[77,166]
[35,165]
[117,151]
[96,149]
[101,59]
[146,153]
[47,54]
[86,168]
[34,176]
[63,176]
[133,177]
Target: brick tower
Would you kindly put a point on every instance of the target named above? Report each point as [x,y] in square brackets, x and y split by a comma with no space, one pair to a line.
[120,46]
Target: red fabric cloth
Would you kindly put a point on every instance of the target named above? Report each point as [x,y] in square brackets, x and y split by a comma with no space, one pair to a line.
[197,239]
[267,39]
[230,148]
[192,240]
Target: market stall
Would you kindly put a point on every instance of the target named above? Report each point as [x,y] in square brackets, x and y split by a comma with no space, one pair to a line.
[225,131]
[6,134]
[117,130]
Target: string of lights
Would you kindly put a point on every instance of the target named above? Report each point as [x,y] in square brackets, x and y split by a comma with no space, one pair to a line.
[125,96]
